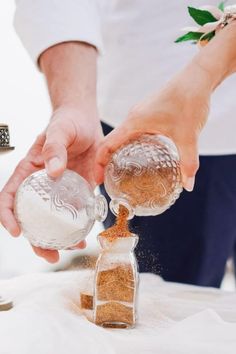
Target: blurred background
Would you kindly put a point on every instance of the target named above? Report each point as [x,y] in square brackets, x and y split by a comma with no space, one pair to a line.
[25,107]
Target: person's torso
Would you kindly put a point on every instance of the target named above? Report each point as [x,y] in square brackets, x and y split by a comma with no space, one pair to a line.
[140,56]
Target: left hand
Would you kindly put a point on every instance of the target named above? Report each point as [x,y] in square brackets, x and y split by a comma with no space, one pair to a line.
[179,112]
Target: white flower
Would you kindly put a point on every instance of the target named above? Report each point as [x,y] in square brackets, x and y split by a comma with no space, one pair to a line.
[219,16]
[222,18]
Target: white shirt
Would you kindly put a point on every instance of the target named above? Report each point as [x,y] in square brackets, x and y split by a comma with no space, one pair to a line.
[136,39]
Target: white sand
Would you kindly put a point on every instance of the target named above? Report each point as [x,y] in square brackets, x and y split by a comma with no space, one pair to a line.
[46,227]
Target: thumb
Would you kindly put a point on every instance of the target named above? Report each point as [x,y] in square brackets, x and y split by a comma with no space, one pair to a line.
[189,163]
[55,150]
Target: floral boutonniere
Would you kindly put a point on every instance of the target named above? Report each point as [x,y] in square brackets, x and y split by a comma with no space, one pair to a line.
[210,20]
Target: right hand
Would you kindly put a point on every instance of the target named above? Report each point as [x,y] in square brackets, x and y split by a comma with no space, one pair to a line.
[69,141]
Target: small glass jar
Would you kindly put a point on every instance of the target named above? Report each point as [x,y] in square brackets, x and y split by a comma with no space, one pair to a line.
[116,283]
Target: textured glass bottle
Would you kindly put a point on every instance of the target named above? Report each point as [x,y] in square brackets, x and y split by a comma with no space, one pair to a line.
[57,214]
[116,282]
[144,175]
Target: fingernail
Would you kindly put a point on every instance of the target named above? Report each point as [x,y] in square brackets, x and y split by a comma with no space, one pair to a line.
[54,164]
[189,185]
[83,244]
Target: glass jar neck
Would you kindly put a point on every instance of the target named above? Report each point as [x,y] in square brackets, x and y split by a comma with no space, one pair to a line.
[98,209]
[119,244]
[115,204]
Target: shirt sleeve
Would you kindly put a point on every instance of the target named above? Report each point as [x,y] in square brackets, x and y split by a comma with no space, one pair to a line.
[41,24]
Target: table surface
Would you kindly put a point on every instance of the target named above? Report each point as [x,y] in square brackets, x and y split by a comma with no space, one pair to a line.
[172,318]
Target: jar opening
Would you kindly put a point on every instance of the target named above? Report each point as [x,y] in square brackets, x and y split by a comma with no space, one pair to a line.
[115,204]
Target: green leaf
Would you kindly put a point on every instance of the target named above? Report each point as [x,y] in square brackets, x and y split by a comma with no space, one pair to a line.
[208,36]
[221,6]
[190,36]
[201,17]
[195,37]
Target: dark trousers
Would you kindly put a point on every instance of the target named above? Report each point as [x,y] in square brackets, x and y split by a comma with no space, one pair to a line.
[191,242]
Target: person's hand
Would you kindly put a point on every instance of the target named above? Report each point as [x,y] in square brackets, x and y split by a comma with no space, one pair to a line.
[73,134]
[179,112]
[70,140]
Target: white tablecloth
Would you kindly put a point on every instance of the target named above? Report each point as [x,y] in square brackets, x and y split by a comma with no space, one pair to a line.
[173,318]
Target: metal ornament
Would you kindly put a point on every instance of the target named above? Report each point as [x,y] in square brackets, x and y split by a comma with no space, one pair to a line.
[5,138]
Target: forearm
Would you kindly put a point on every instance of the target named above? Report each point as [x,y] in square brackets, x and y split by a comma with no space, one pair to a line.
[208,68]
[214,62]
[70,71]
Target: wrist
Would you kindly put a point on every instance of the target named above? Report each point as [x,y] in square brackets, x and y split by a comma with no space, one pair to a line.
[83,114]
[192,83]
[218,57]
